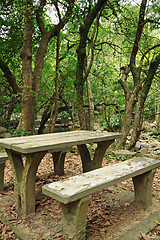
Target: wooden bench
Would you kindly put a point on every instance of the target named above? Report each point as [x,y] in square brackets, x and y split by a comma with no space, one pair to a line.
[3,158]
[74,193]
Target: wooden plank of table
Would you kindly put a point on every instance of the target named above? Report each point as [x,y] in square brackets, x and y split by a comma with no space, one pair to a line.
[6,142]
[60,143]
[51,142]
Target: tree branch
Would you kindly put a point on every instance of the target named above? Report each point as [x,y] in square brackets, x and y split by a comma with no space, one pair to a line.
[144,55]
[38,16]
[138,35]
[10,77]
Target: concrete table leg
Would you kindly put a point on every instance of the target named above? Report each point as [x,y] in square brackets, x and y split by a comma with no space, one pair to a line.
[17,168]
[74,217]
[58,160]
[2,166]
[143,187]
[24,176]
[87,163]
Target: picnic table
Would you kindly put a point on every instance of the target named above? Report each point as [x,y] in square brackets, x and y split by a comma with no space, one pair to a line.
[25,154]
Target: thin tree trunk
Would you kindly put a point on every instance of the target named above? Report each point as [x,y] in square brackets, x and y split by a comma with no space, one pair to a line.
[130,104]
[91,104]
[53,121]
[137,123]
[87,76]
[157,119]
[81,52]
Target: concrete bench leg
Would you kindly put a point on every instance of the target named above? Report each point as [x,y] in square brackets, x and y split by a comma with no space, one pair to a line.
[58,160]
[74,217]
[143,187]
[2,166]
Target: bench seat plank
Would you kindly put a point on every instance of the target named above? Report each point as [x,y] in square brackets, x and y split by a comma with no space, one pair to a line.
[77,187]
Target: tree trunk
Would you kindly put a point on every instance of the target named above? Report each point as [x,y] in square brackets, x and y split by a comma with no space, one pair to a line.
[53,120]
[91,104]
[130,104]
[137,123]
[87,76]
[157,118]
[131,97]
[81,51]
[26,55]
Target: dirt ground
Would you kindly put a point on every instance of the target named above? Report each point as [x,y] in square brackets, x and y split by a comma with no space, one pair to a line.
[110,210]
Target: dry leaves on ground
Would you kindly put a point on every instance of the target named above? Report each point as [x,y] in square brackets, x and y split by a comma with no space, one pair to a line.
[102,215]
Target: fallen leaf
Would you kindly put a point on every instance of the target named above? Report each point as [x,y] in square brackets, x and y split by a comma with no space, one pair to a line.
[44,213]
[107,223]
[8,228]
[105,216]
[127,204]
[110,238]
[40,235]
[156,221]
[145,236]
[128,189]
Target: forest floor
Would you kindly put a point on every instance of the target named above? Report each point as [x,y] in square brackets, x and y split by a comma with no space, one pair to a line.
[109,211]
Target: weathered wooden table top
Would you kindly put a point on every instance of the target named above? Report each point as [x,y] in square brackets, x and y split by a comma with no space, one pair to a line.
[54,141]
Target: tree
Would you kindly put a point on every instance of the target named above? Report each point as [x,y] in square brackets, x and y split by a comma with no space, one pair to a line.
[96,39]
[34,13]
[81,57]
[141,84]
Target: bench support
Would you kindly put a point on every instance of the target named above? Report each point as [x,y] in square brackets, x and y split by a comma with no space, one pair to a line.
[2,166]
[58,160]
[74,216]
[24,175]
[143,187]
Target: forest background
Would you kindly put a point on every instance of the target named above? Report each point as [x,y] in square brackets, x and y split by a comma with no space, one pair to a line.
[90,61]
